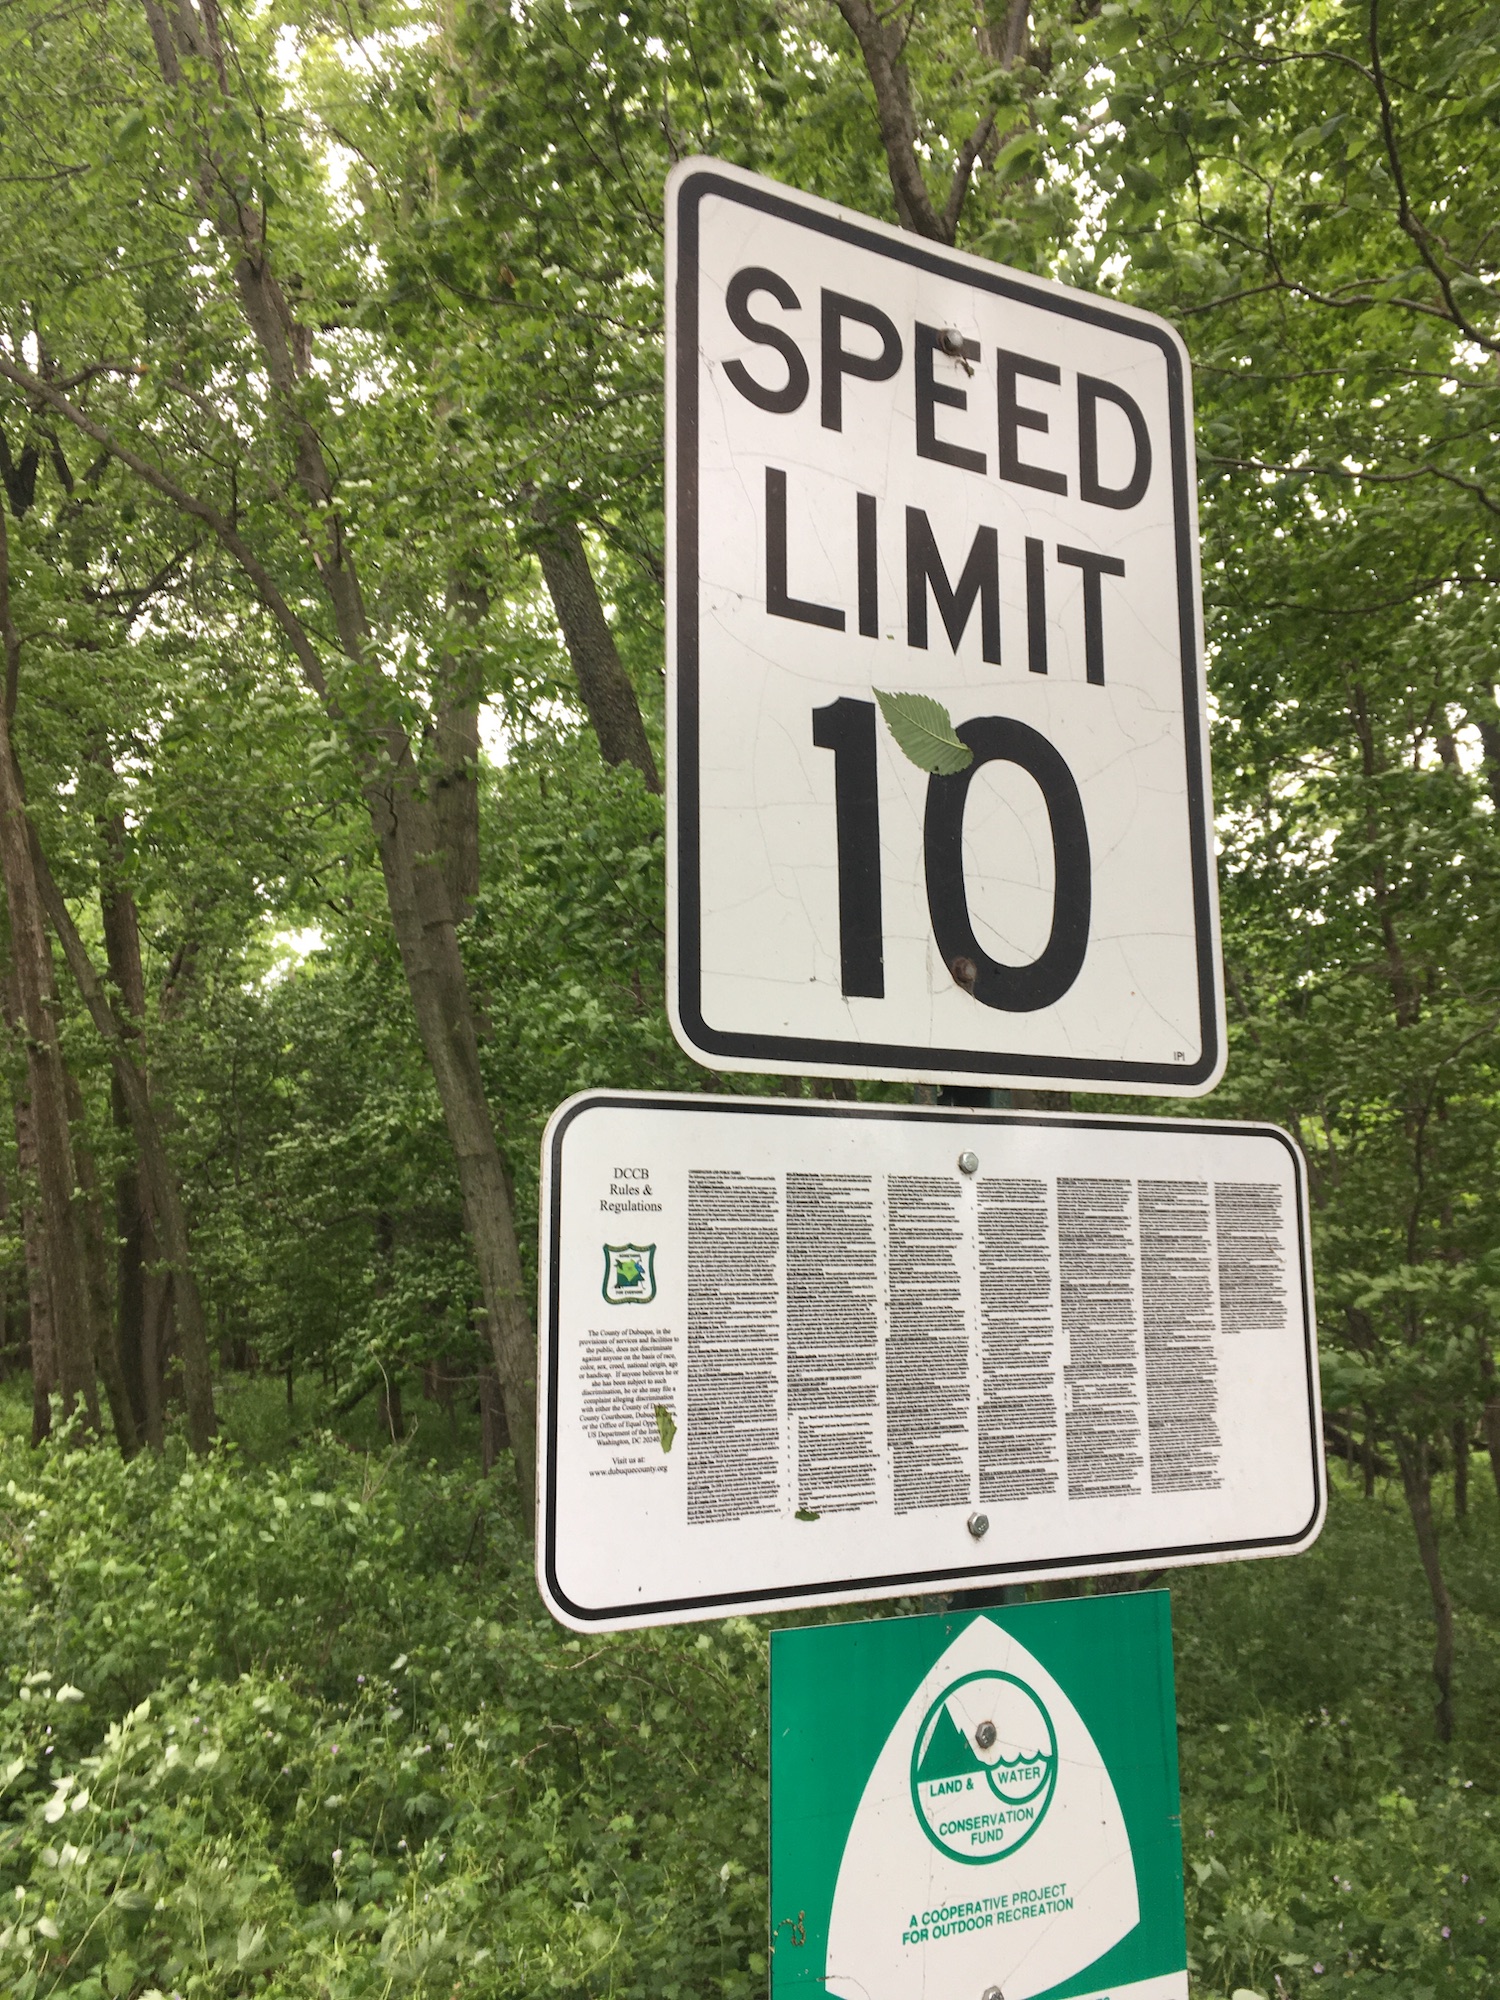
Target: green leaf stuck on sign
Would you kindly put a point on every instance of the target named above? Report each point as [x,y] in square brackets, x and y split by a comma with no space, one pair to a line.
[666,1426]
[922,728]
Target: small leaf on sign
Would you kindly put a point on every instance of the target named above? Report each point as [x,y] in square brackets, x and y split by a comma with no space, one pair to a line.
[922,729]
[666,1426]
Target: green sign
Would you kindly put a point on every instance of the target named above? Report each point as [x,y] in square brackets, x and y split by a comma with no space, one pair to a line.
[978,1807]
[629,1273]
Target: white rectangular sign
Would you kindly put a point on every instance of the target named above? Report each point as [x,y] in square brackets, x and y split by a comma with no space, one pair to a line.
[895,469]
[815,1352]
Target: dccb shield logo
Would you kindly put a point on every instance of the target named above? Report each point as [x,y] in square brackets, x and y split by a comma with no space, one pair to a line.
[983,1767]
[629,1273]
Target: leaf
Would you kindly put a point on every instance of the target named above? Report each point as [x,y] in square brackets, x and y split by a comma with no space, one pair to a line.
[1025,146]
[248,1941]
[666,1426]
[807,1514]
[922,728]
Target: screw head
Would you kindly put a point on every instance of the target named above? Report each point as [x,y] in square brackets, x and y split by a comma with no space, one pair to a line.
[968,1163]
[985,1735]
[992,1993]
[979,1526]
[951,340]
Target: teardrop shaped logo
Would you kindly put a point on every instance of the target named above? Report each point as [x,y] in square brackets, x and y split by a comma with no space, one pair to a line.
[946,1797]
[983,1766]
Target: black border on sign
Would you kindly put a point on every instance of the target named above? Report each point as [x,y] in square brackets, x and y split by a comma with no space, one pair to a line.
[725,1602]
[779,1051]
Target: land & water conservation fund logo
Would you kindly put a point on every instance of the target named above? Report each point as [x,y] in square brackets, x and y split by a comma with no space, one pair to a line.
[983,1767]
[629,1273]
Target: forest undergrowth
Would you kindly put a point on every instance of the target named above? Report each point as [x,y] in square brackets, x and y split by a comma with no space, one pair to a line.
[292,1721]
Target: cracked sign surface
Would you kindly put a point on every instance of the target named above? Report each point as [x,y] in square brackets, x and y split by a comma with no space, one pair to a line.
[851,1351]
[895,470]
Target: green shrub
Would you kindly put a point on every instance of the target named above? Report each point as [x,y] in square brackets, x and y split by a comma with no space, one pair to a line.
[296,1724]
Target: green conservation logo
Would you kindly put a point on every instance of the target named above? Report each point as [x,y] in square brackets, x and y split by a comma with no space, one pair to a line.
[629,1273]
[983,1767]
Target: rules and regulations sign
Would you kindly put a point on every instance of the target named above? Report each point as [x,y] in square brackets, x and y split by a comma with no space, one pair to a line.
[820,1352]
[899,472]
[983,1807]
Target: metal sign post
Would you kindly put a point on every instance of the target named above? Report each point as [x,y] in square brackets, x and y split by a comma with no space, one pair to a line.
[983,1807]
[895,471]
[815,1353]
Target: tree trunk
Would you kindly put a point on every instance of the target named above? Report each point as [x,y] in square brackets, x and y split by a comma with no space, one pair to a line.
[38,1290]
[32,966]
[130,1272]
[161,1181]
[608,695]
[1492,1438]
[191,56]
[1416,1478]
[4,1285]
[1491,1419]
[1461,1469]
[435,976]
[1367,1458]
[156,1331]
[122,947]
[492,1433]
[89,1212]
[455,786]
[1002,33]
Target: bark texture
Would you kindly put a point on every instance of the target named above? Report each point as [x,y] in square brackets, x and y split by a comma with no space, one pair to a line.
[122,947]
[38,1287]
[89,1210]
[1002,33]
[31,965]
[455,741]
[406,824]
[608,695]
[1416,1478]
[1492,1432]
[161,1180]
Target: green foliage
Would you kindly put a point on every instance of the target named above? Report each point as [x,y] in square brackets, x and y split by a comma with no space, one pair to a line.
[304,1728]
[1322,1827]
[311,1732]
[293,1721]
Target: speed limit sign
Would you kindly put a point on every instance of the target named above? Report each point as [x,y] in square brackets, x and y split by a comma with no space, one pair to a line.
[939,793]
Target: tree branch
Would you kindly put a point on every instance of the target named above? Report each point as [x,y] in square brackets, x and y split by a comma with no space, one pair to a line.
[886,69]
[188,503]
[1407,219]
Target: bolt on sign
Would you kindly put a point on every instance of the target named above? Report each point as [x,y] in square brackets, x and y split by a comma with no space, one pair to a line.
[981,1806]
[938,767]
[817,1352]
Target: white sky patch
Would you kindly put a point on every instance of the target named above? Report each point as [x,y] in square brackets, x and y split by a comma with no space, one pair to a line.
[292,949]
[497,739]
